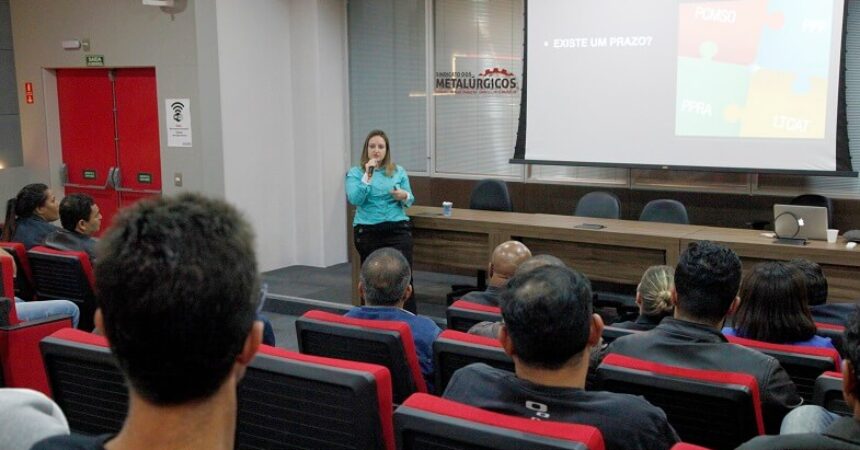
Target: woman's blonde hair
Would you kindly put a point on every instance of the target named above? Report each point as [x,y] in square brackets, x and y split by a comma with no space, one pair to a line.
[386,162]
[656,290]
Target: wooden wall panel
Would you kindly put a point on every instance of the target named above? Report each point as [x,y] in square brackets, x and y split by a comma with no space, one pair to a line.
[712,209]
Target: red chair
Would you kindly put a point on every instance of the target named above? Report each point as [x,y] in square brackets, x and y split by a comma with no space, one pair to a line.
[426,422]
[803,364]
[386,343]
[686,446]
[828,394]
[87,384]
[453,350]
[284,398]
[24,280]
[706,407]
[833,331]
[60,274]
[19,341]
[291,400]
[463,314]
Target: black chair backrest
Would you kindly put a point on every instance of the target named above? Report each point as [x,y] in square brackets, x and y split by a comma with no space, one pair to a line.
[803,364]
[708,408]
[491,195]
[333,336]
[666,211]
[816,200]
[85,381]
[611,333]
[425,422]
[453,350]
[598,204]
[463,314]
[293,401]
[64,275]
[828,394]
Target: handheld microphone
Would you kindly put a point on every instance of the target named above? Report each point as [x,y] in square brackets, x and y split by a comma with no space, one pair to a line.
[370,171]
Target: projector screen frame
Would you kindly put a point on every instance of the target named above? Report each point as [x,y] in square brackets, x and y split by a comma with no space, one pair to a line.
[843,154]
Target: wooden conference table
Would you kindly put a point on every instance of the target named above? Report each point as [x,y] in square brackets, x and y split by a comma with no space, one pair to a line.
[618,253]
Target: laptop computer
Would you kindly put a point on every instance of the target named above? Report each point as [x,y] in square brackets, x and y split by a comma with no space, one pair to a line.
[800,222]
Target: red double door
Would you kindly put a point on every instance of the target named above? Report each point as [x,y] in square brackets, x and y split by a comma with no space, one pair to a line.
[109,135]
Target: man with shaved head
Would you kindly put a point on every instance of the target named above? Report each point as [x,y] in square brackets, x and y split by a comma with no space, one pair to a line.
[504,262]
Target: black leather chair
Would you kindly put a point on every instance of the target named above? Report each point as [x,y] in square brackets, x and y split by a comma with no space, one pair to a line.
[491,195]
[598,204]
[816,200]
[666,211]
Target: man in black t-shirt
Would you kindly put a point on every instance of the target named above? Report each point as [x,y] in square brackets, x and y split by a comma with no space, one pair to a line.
[549,331]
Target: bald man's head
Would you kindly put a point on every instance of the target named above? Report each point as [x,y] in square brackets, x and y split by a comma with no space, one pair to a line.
[506,258]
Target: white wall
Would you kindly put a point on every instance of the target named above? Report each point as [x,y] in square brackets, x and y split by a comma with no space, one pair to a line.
[320,109]
[266,79]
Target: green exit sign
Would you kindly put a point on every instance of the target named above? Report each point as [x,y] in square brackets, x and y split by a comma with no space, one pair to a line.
[95,60]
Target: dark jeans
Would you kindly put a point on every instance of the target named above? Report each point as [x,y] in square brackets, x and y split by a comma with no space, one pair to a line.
[398,235]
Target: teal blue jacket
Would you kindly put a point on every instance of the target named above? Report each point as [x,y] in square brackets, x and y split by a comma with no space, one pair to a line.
[374,203]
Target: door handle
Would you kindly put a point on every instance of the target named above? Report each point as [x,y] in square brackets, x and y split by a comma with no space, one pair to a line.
[116,176]
[113,179]
[64,178]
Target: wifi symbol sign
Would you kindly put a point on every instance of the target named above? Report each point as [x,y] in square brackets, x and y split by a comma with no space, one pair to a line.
[177,108]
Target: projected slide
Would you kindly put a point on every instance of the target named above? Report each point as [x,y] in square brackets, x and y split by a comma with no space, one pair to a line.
[753,68]
[737,84]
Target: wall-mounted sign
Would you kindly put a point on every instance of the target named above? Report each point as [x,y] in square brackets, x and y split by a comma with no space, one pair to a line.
[178,119]
[144,178]
[28,93]
[95,60]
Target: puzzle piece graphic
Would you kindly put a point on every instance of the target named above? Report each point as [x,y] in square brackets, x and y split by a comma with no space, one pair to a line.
[705,90]
[802,45]
[775,110]
[728,26]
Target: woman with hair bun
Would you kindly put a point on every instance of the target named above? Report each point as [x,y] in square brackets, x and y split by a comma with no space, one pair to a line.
[654,297]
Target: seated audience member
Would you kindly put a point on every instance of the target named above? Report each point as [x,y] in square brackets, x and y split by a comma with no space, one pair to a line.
[384,286]
[42,309]
[491,329]
[81,219]
[813,427]
[549,331]
[654,297]
[504,262]
[27,417]
[707,278]
[177,294]
[29,216]
[773,308]
[816,295]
